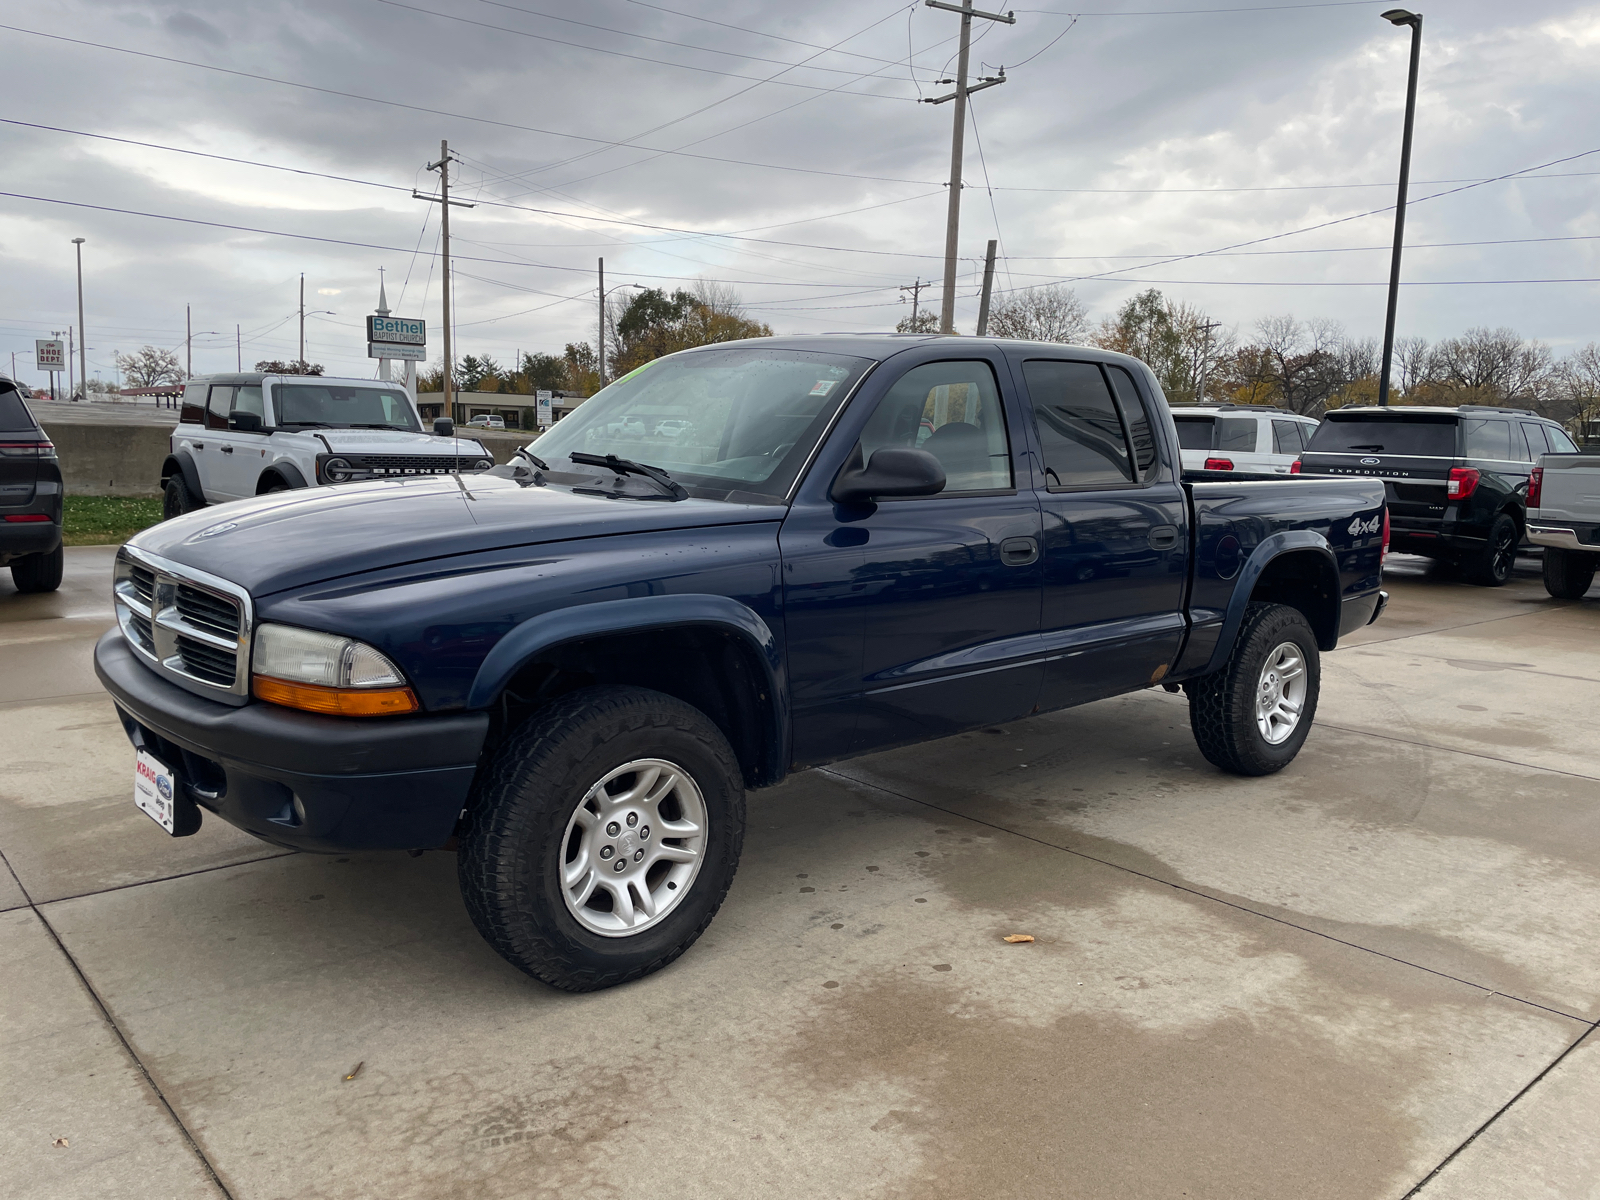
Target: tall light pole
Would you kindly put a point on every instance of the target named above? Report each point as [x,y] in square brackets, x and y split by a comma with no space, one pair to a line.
[1399,16]
[604,292]
[83,371]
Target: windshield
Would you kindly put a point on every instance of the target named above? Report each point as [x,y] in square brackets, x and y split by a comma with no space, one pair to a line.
[1420,436]
[734,420]
[344,406]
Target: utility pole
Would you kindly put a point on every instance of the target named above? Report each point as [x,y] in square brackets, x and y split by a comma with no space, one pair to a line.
[600,342]
[916,297]
[1399,16]
[238,350]
[83,350]
[301,361]
[947,306]
[444,202]
[1205,361]
[988,289]
[188,340]
[69,363]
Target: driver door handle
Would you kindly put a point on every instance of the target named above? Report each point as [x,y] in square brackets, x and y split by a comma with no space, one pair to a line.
[1163,537]
[227,449]
[1018,551]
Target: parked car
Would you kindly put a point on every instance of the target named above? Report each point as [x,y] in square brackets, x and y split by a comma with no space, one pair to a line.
[574,664]
[673,427]
[1256,438]
[1456,478]
[1564,518]
[30,497]
[487,421]
[251,434]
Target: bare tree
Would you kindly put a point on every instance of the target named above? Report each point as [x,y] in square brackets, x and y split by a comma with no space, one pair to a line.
[1492,366]
[1300,366]
[1577,392]
[1041,314]
[150,367]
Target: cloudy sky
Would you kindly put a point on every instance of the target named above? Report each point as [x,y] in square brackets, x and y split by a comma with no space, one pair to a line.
[779,148]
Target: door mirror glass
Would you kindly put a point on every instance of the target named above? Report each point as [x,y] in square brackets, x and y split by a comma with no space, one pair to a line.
[892,471]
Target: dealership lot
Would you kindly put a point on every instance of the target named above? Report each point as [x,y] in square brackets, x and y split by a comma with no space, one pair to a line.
[1323,983]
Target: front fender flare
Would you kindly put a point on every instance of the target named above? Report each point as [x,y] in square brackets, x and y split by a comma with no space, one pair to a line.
[1275,546]
[636,615]
[290,473]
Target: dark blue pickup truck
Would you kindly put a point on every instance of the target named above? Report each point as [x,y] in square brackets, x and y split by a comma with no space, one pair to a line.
[737,562]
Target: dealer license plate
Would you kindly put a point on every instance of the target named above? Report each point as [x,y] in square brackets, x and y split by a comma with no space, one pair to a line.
[155,791]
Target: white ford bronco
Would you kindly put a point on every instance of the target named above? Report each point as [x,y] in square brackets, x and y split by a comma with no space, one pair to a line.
[249,434]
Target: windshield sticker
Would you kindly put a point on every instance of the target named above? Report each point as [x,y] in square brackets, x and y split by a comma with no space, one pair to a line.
[824,386]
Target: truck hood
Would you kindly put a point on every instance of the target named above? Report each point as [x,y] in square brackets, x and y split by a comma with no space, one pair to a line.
[394,441]
[294,539]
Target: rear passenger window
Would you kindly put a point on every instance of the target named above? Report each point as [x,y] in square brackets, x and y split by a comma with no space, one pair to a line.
[1141,435]
[1560,443]
[1080,430]
[1536,441]
[1286,437]
[194,404]
[217,411]
[951,410]
[1485,437]
[1237,434]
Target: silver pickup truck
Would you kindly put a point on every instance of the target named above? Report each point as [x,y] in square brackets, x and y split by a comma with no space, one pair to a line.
[1564,518]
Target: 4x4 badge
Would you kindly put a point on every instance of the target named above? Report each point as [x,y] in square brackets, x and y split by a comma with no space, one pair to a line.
[1359,527]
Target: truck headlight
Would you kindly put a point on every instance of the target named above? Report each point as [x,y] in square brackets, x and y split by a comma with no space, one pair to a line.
[338,470]
[325,673]
[483,464]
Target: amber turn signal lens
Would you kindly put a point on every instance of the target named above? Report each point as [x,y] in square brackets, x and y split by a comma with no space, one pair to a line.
[338,702]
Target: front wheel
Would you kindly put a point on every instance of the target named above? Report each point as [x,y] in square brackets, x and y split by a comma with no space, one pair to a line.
[1252,717]
[1568,573]
[177,499]
[603,837]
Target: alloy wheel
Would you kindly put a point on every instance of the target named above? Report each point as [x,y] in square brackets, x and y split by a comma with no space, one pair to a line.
[1281,693]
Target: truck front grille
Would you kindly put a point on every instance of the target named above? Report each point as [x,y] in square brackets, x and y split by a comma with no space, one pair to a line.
[417,464]
[190,627]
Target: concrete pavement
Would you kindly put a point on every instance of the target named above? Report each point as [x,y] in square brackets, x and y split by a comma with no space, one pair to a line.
[1370,973]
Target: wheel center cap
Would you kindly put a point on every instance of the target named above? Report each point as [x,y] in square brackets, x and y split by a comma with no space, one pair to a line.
[627,842]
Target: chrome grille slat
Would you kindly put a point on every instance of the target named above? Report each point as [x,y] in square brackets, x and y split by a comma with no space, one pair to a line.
[191,627]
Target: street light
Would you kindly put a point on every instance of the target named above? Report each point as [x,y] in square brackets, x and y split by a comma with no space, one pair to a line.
[600,357]
[83,349]
[1399,16]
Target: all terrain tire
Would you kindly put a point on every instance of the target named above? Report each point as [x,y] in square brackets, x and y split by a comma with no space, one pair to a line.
[1568,573]
[1252,717]
[602,837]
[177,499]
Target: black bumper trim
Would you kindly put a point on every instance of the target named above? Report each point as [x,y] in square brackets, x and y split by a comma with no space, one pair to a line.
[297,779]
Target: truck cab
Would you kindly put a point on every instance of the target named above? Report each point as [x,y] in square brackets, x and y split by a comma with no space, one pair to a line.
[250,434]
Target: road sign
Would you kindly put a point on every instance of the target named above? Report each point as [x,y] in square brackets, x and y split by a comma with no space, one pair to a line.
[50,354]
[399,330]
[544,415]
[396,350]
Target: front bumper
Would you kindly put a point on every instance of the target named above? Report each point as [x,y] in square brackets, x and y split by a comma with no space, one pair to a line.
[296,779]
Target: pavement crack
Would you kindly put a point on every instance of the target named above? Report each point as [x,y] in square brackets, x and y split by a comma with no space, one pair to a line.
[1510,762]
[111,1023]
[1499,1112]
[1196,892]
[122,887]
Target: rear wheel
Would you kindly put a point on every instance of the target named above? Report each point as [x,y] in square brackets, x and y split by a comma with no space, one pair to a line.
[1492,565]
[1568,573]
[603,837]
[1252,717]
[178,499]
[39,572]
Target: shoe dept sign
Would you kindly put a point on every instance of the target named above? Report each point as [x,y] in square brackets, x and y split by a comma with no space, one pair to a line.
[397,337]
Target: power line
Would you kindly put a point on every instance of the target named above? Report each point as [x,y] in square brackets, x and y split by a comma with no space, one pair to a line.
[439,112]
[777,37]
[1187,12]
[623,53]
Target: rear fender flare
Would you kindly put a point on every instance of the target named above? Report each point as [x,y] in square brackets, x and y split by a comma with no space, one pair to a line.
[638,615]
[182,463]
[1276,546]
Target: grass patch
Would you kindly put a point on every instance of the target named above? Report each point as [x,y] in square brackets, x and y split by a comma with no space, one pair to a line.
[107,520]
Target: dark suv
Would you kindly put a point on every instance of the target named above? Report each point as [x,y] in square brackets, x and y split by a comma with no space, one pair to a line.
[30,497]
[1456,478]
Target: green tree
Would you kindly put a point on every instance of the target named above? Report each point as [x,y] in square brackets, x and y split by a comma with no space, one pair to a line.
[544,372]
[924,320]
[1173,340]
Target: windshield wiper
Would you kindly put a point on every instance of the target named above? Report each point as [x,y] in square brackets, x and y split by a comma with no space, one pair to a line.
[1374,446]
[384,425]
[623,466]
[307,424]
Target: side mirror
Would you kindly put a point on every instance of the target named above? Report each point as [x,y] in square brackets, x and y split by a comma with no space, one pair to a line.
[893,471]
[244,422]
[444,427]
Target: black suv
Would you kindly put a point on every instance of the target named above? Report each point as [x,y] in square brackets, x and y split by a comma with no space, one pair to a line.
[1456,478]
[30,497]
